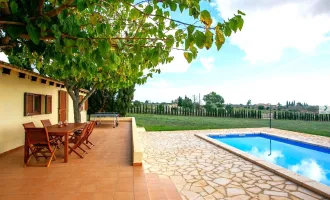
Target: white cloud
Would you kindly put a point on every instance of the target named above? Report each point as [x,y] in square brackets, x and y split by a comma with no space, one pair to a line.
[214,22]
[260,89]
[3,57]
[178,65]
[208,63]
[272,157]
[310,169]
[274,25]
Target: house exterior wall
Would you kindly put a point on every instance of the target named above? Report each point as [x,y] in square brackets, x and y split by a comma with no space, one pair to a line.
[12,117]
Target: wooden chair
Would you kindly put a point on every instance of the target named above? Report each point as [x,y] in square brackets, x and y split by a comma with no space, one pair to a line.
[38,143]
[53,139]
[29,125]
[77,140]
[46,122]
[89,132]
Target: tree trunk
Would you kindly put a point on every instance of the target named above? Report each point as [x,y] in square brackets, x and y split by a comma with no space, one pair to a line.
[73,91]
[76,111]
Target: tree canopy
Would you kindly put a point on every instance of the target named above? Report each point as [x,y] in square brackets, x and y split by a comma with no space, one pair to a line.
[213,100]
[108,43]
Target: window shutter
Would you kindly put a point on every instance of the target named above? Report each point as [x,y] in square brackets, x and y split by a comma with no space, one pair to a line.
[86,104]
[48,104]
[80,99]
[28,104]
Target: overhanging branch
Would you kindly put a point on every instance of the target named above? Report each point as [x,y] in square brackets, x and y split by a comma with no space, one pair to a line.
[88,95]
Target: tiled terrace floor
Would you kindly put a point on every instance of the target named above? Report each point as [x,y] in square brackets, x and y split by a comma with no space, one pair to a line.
[201,170]
[104,173]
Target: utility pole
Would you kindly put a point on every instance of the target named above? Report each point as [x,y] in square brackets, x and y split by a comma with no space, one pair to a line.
[199,103]
[194,99]
[270,115]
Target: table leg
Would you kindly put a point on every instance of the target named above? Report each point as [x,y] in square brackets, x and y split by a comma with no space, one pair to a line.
[26,150]
[66,148]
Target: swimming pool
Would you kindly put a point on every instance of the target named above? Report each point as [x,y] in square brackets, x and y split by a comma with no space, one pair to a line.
[308,160]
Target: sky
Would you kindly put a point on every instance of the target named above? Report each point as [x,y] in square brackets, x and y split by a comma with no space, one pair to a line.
[282,53]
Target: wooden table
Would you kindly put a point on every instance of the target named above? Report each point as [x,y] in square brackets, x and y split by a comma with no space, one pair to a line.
[65,131]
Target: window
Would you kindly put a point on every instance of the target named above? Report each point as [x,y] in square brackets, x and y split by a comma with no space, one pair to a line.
[36,104]
[48,106]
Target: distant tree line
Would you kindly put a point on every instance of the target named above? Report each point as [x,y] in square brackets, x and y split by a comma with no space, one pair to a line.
[111,101]
[287,115]
[214,112]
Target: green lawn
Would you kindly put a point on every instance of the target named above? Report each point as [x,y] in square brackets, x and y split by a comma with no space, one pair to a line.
[170,123]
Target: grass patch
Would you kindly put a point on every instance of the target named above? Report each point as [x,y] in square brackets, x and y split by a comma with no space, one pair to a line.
[173,123]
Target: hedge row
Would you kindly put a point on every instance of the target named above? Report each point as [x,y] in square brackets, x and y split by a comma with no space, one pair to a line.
[167,110]
[287,115]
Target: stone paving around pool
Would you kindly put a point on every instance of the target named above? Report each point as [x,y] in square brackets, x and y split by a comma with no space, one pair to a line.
[201,170]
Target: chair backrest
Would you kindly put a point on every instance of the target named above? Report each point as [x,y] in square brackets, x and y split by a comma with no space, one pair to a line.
[83,135]
[46,122]
[29,125]
[37,136]
[91,128]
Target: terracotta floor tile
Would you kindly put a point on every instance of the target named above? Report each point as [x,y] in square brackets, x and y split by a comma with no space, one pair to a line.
[103,196]
[106,187]
[125,180]
[52,196]
[110,174]
[140,187]
[141,196]
[125,174]
[172,194]
[155,187]
[124,188]
[82,196]
[16,197]
[123,196]
[87,188]
[107,180]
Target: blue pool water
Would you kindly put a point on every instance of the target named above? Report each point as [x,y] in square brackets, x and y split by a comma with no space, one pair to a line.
[305,159]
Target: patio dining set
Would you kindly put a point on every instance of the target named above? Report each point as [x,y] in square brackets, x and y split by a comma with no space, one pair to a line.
[43,142]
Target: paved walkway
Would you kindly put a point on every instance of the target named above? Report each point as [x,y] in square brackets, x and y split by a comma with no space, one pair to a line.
[104,173]
[201,170]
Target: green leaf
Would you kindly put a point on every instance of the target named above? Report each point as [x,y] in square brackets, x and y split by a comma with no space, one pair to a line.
[170,41]
[208,39]
[148,10]
[188,56]
[34,33]
[233,24]
[57,33]
[93,19]
[190,29]
[13,7]
[240,13]
[181,7]
[69,42]
[205,18]
[173,6]
[219,37]
[199,39]
[104,47]
[134,14]
[194,51]
[240,23]
[14,31]
[227,31]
